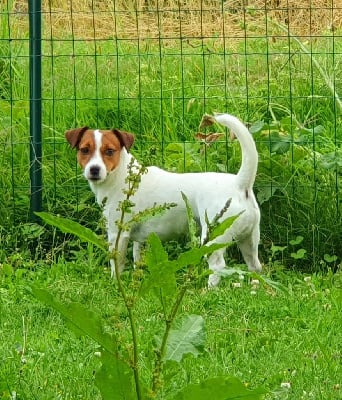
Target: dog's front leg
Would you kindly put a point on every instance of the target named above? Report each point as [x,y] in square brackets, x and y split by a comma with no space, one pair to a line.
[136,253]
[120,254]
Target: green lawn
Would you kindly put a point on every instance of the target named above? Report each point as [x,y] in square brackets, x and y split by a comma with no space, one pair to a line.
[288,341]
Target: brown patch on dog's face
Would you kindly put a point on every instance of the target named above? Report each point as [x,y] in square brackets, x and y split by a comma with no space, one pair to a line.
[110,150]
[86,148]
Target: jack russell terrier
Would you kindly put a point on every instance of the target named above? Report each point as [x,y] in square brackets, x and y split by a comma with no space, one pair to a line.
[104,156]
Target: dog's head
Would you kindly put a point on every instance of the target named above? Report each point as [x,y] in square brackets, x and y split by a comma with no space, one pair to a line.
[98,151]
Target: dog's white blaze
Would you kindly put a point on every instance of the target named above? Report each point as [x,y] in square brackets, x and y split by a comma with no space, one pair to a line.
[96,160]
[98,144]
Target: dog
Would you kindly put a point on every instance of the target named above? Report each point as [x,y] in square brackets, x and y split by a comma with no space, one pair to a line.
[105,156]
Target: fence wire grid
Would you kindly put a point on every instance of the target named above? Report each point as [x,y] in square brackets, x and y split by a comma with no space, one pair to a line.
[154,68]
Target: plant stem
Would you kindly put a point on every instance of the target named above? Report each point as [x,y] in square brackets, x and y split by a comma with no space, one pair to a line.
[129,307]
[127,301]
[161,351]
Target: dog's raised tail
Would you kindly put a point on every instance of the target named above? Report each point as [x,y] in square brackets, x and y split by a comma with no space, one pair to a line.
[249,163]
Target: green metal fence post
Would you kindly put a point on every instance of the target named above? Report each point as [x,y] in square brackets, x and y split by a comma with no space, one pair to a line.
[35,107]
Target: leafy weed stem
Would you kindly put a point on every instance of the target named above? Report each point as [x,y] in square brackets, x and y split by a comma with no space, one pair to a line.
[133,182]
[129,306]
[161,351]
[215,221]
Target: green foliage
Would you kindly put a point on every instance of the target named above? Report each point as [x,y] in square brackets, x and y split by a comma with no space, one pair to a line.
[80,319]
[115,379]
[220,388]
[68,226]
[187,336]
[291,158]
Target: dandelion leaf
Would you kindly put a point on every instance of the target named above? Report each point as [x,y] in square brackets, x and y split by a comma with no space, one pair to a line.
[186,337]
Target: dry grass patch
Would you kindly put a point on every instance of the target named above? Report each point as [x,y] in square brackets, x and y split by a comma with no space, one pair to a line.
[150,19]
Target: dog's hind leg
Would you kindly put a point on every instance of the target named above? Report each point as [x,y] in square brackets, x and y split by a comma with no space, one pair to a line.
[216,261]
[216,264]
[249,249]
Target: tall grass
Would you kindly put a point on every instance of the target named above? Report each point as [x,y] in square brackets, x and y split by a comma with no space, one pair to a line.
[158,89]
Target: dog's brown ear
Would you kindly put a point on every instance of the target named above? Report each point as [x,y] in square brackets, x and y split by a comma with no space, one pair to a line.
[73,136]
[126,139]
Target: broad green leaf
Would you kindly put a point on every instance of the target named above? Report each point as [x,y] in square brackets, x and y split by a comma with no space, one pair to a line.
[115,379]
[332,160]
[223,226]
[266,192]
[279,144]
[156,253]
[195,255]
[68,226]
[328,258]
[7,269]
[219,388]
[296,241]
[288,124]
[79,318]
[186,337]
[174,148]
[162,271]
[276,249]
[161,277]
[316,130]
[191,221]
[256,127]
[299,254]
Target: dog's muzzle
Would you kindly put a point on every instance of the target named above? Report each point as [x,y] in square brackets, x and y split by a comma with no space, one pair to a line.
[94,173]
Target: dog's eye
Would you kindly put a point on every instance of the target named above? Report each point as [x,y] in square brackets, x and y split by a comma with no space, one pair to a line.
[109,152]
[84,150]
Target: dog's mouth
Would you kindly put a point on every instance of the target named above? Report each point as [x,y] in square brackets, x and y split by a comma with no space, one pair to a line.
[94,178]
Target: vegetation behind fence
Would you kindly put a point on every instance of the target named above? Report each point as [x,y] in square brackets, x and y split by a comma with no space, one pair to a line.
[154,68]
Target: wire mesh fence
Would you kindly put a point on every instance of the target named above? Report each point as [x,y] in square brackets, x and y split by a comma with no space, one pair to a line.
[154,68]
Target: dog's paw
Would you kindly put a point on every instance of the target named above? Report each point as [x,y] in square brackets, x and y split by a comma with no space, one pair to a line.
[213,281]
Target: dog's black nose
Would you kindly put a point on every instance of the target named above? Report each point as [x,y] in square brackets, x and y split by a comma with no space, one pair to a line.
[95,172]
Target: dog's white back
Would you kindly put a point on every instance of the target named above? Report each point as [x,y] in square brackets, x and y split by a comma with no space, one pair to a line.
[104,156]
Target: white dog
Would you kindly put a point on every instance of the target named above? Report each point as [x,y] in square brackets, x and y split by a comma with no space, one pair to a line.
[104,156]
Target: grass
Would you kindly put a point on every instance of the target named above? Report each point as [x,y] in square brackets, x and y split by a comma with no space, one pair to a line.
[263,336]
